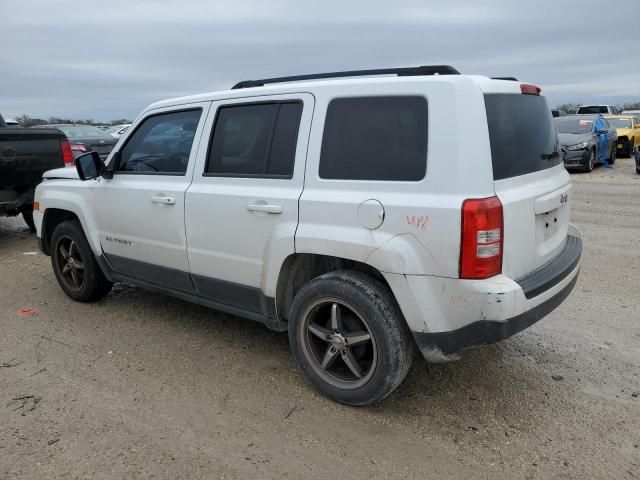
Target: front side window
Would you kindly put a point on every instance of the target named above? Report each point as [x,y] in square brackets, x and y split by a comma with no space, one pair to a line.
[161,144]
[375,138]
[255,140]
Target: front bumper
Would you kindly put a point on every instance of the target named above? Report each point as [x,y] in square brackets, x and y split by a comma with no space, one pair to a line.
[448,315]
[623,146]
[576,158]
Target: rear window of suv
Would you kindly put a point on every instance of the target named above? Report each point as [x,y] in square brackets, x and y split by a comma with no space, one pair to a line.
[523,137]
[593,109]
[375,138]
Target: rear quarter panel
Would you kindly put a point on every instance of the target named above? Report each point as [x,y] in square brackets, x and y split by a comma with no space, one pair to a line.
[420,233]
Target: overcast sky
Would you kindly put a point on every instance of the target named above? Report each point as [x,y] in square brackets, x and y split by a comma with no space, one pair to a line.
[109,59]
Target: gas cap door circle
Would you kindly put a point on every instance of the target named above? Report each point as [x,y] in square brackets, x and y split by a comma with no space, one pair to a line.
[371,214]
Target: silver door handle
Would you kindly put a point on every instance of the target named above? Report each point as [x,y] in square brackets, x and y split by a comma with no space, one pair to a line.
[164,200]
[259,207]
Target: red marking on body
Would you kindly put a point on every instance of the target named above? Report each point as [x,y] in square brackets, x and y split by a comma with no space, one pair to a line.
[418,222]
[401,235]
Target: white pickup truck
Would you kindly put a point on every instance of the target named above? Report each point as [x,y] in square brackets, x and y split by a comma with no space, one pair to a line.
[365,215]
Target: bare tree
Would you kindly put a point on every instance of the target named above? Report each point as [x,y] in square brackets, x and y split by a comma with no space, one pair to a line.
[27,121]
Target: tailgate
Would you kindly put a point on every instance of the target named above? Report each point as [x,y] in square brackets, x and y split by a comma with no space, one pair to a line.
[25,154]
[536,219]
[529,179]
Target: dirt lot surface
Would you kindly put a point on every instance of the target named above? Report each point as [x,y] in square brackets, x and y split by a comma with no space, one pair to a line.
[144,386]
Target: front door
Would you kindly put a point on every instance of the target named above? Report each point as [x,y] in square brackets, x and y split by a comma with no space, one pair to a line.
[146,238]
[242,207]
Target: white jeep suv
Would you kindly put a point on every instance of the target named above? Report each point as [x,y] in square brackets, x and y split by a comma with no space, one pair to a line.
[365,215]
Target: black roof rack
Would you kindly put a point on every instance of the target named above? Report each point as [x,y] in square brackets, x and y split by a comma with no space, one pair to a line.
[401,72]
[513,79]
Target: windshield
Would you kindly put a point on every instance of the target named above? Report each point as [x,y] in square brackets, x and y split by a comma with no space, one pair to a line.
[619,122]
[81,131]
[574,125]
[521,133]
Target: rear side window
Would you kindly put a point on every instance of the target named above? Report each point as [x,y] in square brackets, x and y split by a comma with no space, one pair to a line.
[375,138]
[255,140]
[522,134]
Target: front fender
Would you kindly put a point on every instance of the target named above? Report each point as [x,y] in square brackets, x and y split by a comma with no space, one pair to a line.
[71,196]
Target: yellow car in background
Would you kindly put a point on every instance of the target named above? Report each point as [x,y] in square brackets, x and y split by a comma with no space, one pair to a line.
[628,129]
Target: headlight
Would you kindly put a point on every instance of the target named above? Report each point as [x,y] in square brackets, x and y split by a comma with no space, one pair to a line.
[579,146]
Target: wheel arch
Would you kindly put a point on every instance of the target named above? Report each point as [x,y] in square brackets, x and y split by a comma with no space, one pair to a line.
[51,219]
[300,268]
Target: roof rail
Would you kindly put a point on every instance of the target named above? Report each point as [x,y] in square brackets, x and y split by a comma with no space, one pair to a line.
[513,79]
[400,72]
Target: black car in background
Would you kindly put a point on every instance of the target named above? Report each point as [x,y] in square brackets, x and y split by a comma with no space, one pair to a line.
[586,140]
[85,138]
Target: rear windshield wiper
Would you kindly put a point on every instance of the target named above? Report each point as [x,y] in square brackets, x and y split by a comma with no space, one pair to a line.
[549,156]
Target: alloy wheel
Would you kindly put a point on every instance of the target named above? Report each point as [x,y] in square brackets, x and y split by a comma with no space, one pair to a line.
[70,263]
[338,343]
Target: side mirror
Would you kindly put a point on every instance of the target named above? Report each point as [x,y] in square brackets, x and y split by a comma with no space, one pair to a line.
[89,166]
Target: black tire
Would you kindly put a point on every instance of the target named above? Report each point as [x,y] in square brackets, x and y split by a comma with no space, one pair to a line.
[588,166]
[367,308]
[632,147]
[612,158]
[27,216]
[74,264]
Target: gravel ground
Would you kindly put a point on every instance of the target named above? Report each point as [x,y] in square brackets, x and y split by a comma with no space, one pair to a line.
[144,386]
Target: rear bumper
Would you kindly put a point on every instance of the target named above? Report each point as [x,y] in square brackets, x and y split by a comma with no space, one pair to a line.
[448,315]
[484,332]
[21,200]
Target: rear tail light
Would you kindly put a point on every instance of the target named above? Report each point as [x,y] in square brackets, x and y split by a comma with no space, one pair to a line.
[482,235]
[79,147]
[528,89]
[67,154]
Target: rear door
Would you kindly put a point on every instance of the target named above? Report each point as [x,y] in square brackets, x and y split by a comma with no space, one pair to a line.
[242,208]
[529,179]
